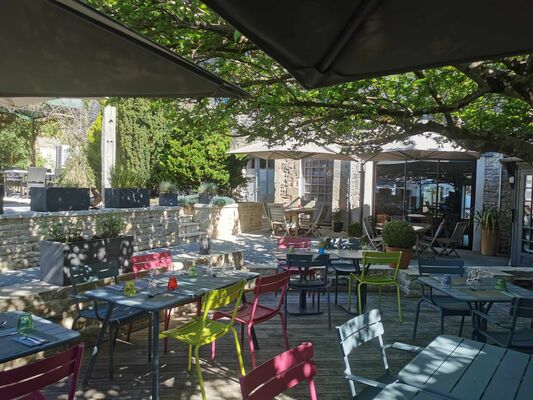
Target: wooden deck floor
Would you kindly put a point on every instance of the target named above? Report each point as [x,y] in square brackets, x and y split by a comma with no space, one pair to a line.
[133,377]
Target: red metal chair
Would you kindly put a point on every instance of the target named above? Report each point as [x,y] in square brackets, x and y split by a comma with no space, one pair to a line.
[281,373]
[147,262]
[296,243]
[254,313]
[26,381]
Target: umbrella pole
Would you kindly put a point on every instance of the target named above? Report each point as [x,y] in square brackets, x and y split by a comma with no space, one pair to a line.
[361,191]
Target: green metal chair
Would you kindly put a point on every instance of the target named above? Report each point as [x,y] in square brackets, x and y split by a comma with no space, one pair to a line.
[381,279]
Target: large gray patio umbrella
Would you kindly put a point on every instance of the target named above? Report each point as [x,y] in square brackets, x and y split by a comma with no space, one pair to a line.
[324,42]
[291,150]
[64,48]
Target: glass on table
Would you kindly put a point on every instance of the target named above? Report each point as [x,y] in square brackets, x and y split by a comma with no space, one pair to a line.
[25,323]
[172,283]
[129,288]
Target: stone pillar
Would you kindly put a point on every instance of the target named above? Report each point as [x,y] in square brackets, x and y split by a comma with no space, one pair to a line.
[108,145]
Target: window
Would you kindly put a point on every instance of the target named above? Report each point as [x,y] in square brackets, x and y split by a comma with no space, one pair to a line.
[527,223]
[318,180]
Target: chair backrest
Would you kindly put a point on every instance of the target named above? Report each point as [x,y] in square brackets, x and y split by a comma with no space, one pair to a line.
[431,266]
[357,332]
[343,244]
[270,284]
[459,231]
[302,261]
[80,274]
[438,232]
[36,175]
[265,210]
[26,380]
[521,307]
[281,373]
[381,258]
[323,214]
[310,204]
[368,228]
[277,213]
[146,262]
[222,297]
[294,242]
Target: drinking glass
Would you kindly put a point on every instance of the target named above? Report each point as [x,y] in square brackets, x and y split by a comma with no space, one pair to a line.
[172,283]
[25,323]
[129,288]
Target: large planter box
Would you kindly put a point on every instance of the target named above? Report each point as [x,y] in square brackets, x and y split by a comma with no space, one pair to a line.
[59,199]
[57,257]
[2,194]
[168,199]
[127,198]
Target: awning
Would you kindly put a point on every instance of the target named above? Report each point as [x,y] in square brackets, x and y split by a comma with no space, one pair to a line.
[291,150]
[428,146]
[324,42]
[63,48]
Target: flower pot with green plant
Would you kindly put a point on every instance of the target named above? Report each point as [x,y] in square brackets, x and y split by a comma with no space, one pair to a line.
[355,230]
[206,191]
[490,221]
[399,236]
[64,245]
[188,202]
[128,189]
[168,194]
[337,216]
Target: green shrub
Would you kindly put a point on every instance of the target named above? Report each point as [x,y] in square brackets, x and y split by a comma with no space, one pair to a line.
[187,201]
[109,226]
[127,178]
[222,201]
[61,231]
[167,187]
[399,234]
[355,230]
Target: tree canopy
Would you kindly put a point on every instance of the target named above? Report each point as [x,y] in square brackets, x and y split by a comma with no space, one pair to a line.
[485,106]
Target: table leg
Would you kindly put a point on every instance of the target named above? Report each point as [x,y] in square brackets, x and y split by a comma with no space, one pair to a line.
[96,348]
[155,355]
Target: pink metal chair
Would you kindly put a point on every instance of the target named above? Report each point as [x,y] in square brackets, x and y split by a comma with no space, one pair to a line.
[295,243]
[281,373]
[147,262]
[26,381]
[254,313]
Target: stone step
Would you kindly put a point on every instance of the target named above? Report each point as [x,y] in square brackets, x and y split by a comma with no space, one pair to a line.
[189,227]
[194,237]
[183,219]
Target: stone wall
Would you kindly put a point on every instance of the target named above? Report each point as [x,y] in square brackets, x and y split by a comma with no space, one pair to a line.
[497,194]
[230,220]
[287,180]
[19,233]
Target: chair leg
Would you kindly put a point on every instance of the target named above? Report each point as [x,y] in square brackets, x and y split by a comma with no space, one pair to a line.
[167,324]
[336,286]
[284,329]
[189,360]
[461,326]
[329,310]
[239,354]
[399,302]
[251,345]
[111,349]
[199,371]
[78,317]
[213,351]
[416,317]
[286,298]
[441,323]
[150,337]
[130,328]
[350,293]
[359,305]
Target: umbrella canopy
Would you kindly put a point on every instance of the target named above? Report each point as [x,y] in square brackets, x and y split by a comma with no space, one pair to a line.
[63,48]
[322,42]
[292,151]
[428,146]
[21,101]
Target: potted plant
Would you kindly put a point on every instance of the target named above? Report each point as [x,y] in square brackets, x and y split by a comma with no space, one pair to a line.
[128,189]
[400,236]
[64,245]
[222,201]
[188,202]
[206,191]
[337,216]
[490,221]
[168,194]
[355,230]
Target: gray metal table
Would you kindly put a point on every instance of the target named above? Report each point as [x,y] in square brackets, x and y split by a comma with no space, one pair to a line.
[464,369]
[400,391]
[190,289]
[55,334]
[481,298]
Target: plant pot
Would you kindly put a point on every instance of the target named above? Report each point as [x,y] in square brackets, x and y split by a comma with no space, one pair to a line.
[168,199]
[489,242]
[381,218]
[407,255]
[53,199]
[127,198]
[205,198]
[56,257]
[337,226]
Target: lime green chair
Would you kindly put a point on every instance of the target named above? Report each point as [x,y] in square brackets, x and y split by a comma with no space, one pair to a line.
[202,330]
[381,279]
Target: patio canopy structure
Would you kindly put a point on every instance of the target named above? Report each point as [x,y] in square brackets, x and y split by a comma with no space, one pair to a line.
[292,150]
[322,44]
[64,48]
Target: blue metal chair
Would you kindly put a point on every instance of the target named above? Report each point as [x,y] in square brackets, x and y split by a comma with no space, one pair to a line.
[507,335]
[355,333]
[343,267]
[446,305]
